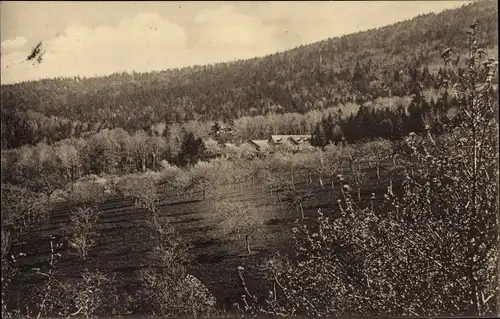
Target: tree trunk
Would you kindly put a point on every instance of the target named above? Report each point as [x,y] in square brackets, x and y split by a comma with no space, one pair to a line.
[247,244]
[301,210]
[321,181]
[203,193]
[359,193]
[154,160]
[378,171]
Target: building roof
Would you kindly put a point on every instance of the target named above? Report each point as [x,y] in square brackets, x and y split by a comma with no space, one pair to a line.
[279,139]
[260,144]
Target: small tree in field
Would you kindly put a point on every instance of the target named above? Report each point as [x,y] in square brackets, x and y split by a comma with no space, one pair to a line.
[333,161]
[87,192]
[81,230]
[297,196]
[358,178]
[202,175]
[276,175]
[241,219]
[319,165]
[376,152]
[142,189]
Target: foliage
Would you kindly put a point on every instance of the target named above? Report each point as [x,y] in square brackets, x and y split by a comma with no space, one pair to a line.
[87,191]
[87,295]
[240,218]
[22,208]
[165,287]
[192,150]
[431,251]
[141,188]
[8,269]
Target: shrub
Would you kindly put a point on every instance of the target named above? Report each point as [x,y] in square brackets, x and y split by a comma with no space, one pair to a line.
[22,209]
[165,287]
[87,192]
[141,188]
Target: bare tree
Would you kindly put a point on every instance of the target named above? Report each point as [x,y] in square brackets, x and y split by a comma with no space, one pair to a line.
[241,218]
[81,230]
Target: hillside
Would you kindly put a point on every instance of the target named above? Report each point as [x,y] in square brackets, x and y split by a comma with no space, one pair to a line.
[383,62]
[122,245]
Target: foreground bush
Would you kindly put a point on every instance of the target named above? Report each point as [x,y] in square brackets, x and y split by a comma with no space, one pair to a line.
[165,286]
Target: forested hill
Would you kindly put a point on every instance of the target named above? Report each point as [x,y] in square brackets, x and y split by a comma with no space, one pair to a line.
[383,62]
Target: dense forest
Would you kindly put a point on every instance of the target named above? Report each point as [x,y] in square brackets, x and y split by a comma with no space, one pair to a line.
[381,63]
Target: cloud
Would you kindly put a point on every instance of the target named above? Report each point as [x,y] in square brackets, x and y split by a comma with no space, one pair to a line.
[11,45]
[143,43]
[227,35]
[147,42]
[313,21]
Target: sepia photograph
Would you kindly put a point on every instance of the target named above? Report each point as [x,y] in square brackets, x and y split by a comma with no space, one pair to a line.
[222,159]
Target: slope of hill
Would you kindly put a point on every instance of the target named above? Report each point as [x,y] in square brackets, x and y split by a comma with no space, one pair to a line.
[122,244]
[387,61]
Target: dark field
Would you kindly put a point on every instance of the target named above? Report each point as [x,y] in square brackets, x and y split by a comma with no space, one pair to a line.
[123,240]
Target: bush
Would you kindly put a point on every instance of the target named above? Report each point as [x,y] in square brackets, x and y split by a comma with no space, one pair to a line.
[141,188]
[165,287]
[22,209]
[87,192]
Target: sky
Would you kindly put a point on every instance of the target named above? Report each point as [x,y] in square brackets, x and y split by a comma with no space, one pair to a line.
[100,38]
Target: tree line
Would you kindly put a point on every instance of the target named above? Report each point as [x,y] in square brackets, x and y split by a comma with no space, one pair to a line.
[423,113]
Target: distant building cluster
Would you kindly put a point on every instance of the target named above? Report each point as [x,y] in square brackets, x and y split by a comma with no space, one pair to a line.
[296,142]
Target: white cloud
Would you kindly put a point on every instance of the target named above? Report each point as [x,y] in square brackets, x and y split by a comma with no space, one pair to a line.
[226,34]
[143,43]
[16,44]
[311,21]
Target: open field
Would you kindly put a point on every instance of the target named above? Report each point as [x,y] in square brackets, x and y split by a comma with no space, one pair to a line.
[123,239]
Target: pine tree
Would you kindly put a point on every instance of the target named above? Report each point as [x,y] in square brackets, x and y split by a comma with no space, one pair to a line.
[192,150]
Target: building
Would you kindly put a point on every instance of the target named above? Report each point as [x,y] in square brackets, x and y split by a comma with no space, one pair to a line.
[289,139]
[259,145]
[294,142]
